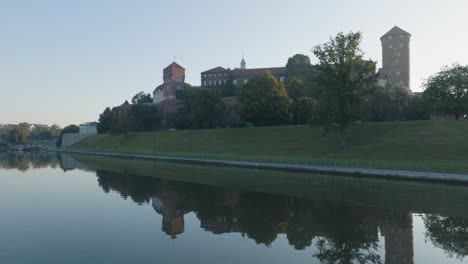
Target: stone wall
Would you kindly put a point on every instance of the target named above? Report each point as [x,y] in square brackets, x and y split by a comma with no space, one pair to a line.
[70,139]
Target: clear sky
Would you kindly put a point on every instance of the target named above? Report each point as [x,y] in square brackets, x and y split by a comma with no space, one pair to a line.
[64,61]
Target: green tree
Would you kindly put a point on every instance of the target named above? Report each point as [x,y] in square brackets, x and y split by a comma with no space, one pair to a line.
[304,110]
[207,110]
[448,90]
[105,121]
[299,68]
[346,80]
[295,88]
[264,101]
[143,118]
[202,109]
[417,109]
[18,135]
[142,98]
[389,103]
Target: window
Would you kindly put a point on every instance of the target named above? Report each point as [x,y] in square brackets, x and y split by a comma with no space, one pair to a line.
[402,37]
[220,82]
[397,62]
[234,82]
[390,46]
[398,73]
[282,79]
[225,81]
[209,82]
[204,83]
[389,37]
[245,81]
[402,45]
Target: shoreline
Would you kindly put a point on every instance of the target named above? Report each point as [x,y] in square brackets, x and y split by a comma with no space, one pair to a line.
[384,174]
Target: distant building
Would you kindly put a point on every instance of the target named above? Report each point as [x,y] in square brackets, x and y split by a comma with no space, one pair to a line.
[88,128]
[238,76]
[395,57]
[174,79]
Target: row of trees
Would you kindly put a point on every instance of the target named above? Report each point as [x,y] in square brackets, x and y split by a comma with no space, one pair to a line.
[25,133]
[137,117]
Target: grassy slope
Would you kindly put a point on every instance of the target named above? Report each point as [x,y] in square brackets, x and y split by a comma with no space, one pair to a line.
[431,145]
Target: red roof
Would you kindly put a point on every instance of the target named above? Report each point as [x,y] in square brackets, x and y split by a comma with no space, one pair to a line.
[395,31]
[175,65]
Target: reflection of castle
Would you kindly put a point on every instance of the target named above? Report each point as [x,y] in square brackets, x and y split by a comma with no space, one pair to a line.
[166,204]
[262,217]
[397,229]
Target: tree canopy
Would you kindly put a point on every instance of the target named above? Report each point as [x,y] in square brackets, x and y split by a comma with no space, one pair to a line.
[264,101]
[448,90]
[142,98]
[202,109]
[300,69]
[346,80]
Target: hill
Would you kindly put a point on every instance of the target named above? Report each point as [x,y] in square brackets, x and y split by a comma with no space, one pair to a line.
[422,145]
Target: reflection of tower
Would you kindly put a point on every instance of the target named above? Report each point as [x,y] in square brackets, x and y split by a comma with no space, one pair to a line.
[173,218]
[398,232]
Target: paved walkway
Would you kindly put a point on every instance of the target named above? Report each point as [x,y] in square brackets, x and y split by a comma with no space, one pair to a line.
[357,172]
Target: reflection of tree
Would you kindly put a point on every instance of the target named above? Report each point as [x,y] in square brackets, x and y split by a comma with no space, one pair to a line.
[263,216]
[344,234]
[301,229]
[24,161]
[139,189]
[448,233]
[337,250]
[350,234]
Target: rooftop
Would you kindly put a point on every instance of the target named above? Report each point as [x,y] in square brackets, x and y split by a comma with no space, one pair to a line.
[175,65]
[396,31]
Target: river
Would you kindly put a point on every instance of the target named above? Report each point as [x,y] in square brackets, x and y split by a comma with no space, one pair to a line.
[83,209]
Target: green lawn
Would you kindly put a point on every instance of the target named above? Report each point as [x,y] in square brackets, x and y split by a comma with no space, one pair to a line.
[422,145]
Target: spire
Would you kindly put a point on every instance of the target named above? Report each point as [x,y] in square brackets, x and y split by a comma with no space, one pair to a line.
[243,64]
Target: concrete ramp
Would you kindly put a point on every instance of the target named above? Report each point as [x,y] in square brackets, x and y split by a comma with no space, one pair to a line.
[70,139]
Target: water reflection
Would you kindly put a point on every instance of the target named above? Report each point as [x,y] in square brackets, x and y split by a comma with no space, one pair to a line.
[24,161]
[354,230]
[448,233]
[343,233]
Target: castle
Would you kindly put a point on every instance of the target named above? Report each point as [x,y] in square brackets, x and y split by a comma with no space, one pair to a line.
[174,79]
[395,70]
[238,76]
[395,57]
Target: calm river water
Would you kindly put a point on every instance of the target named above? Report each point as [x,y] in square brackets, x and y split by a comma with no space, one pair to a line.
[81,209]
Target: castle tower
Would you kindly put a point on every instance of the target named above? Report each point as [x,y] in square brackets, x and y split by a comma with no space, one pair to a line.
[174,72]
[174,79]
[396,57]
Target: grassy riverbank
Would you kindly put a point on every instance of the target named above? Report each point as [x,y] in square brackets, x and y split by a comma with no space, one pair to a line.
[423,145]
